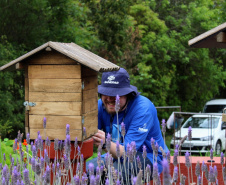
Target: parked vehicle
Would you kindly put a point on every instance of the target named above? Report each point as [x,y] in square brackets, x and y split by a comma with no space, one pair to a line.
[208,131]
[215,106]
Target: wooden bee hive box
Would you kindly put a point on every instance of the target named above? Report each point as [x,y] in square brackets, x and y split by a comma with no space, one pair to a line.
[61,82]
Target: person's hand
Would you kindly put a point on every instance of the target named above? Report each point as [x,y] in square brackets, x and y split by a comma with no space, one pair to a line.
[100,135]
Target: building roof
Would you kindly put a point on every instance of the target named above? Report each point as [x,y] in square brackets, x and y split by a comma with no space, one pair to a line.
[214,38]
[74,52]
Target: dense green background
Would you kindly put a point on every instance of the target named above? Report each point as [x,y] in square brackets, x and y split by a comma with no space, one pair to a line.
[147,37]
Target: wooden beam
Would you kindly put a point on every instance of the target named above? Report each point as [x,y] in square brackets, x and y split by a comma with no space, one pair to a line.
[19,66]
[207,34]
[221,37]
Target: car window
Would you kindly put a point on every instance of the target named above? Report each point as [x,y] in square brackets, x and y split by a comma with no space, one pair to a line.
[214,108]
[202,122]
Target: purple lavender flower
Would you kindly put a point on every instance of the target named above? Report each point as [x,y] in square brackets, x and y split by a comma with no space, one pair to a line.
[203,166]
[133,148]
[76,142]
[26,176]
[108,142]
[91,169]
[34,151]
[47,174]
[53,168]
[183,178]
[148,170]
[199,180]
[84,179]
[56,144]
[5,171]
[144,152]
[61,145]
[42,162]
[117,149]
[28,138]
[47,142]
[3,181]
[92,180]
[84,132]
[18,182]
[79,151]
[211,153]
[107,182]
[33,163]
[15,146]
[153,144]
[222,158]
[123,129]
[66,162]
[101,169]
[76,180]
[117,103]
[134,180]
[46,157]
[168,156]
[159,180]
[166,174]
[189,133]
[44,122]
[155,172]
[38,168]
[20,148]
[163,125]
[175,174]
[58,167]
[156,149]
[67,145]
[197,169]
[78,168]
[118,182]
[67,129]
[130,154]
[139,162]
[175,162]
[15,175]
[187,160]
[211,175]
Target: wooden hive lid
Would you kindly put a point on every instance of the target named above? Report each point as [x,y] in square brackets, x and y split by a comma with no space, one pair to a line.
[74,52]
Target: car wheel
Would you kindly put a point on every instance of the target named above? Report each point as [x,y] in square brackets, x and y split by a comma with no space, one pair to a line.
[218,148]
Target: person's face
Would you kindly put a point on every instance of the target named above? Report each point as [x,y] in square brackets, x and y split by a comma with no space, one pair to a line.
[109,103]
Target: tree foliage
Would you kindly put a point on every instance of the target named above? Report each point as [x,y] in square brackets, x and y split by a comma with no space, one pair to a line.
[148,38]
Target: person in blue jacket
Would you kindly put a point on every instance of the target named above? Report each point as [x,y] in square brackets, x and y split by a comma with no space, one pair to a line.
[137,112]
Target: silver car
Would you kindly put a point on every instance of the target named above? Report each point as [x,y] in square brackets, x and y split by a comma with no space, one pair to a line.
[208,131]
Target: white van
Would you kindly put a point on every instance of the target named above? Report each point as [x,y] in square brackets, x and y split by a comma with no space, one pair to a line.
[215,106]
[208,131]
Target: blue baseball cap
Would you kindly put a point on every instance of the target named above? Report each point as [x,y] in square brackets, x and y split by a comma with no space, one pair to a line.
[116,83]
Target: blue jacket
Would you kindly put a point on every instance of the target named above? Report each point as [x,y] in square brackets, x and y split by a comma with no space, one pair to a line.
[141,122]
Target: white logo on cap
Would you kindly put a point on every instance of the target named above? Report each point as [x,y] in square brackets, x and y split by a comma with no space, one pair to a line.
[110,80]
[111,77]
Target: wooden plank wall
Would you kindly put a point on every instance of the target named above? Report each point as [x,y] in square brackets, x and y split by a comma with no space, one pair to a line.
[55,82]
[90,100]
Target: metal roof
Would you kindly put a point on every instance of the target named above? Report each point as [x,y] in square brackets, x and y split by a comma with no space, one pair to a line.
[74,52]
[209,39]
